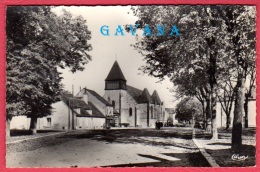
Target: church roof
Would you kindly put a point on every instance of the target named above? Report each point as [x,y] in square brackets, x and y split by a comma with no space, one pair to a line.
[95,112]
[95,94]
[73,102]
[156,98]
[76,102]
[145,97]
[115,73]
[134,92]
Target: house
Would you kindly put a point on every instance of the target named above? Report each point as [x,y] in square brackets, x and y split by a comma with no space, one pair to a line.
[136,108]
[170,116]
[103,106]
[222,118]
[69,113]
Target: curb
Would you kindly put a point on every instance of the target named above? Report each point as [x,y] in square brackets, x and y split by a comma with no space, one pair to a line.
[209,158]
[17,141]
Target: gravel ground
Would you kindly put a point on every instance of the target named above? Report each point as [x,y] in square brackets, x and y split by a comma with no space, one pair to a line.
[30,145]
[113,148]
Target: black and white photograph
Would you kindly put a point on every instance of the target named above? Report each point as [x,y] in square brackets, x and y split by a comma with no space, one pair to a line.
[131,86]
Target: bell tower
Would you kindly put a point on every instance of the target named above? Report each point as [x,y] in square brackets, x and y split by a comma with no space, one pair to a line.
[115,79]
[115,91]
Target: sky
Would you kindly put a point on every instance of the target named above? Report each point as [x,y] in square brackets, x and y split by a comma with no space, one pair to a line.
[107,49]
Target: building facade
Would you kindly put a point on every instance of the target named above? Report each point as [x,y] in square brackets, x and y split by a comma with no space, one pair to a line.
[121,106]
[136,108]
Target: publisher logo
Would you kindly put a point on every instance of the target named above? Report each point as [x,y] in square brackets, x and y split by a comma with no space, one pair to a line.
[237,157]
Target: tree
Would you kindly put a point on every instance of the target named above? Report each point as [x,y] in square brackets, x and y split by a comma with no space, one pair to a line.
[249,90]
[38,42]
[226,98]
[193,84]
[172,56]
[240,23]
[188,108]
[209,36]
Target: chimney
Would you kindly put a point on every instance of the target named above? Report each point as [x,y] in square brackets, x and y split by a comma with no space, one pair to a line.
[85,95]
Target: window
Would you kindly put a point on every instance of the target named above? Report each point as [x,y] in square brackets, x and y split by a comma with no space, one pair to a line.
[130,111]
[112,85]
[113,103]
[48,122]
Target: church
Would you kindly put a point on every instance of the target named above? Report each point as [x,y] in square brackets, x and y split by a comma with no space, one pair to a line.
[121,106]
[137,108]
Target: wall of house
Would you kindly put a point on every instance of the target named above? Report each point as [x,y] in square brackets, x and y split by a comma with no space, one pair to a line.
[90,123]
[20,122]
[221,116]
[59,117]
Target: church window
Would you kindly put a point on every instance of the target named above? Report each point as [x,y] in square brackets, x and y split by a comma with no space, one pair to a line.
[113,85]
[130,111]
[113,103]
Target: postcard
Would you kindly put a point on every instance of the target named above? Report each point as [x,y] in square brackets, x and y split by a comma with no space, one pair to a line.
[130,86]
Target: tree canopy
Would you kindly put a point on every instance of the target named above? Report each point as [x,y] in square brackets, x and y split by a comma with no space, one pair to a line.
[187,108]
[215,42]
[38,42]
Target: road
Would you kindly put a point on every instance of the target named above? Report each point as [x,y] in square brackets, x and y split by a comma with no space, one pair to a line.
[170,147]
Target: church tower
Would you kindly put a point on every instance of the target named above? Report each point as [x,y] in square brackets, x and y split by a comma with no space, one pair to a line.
[115,91]
[115,79]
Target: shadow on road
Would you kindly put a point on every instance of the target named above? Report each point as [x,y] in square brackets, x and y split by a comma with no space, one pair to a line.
[148,137]
[191,160]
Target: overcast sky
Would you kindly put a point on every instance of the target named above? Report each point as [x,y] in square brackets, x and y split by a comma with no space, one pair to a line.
[107,49]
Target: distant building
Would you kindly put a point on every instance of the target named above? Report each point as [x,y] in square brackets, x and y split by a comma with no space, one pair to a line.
[222,118]
[170,118]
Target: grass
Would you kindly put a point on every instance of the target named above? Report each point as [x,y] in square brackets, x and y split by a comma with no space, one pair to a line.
[221,151]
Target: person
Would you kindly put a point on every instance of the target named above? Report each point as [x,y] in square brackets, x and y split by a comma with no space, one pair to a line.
[156,125]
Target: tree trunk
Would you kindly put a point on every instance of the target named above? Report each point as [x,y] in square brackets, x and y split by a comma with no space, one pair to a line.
[208,116]
[204,116]
[246,110]
[214,125]
[238,114]
[228,121]
[7,127]
[193,127]
[214,113]
[33,125]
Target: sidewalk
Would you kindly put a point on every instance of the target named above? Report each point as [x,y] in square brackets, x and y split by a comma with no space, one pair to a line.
[218,152]
[207,156]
